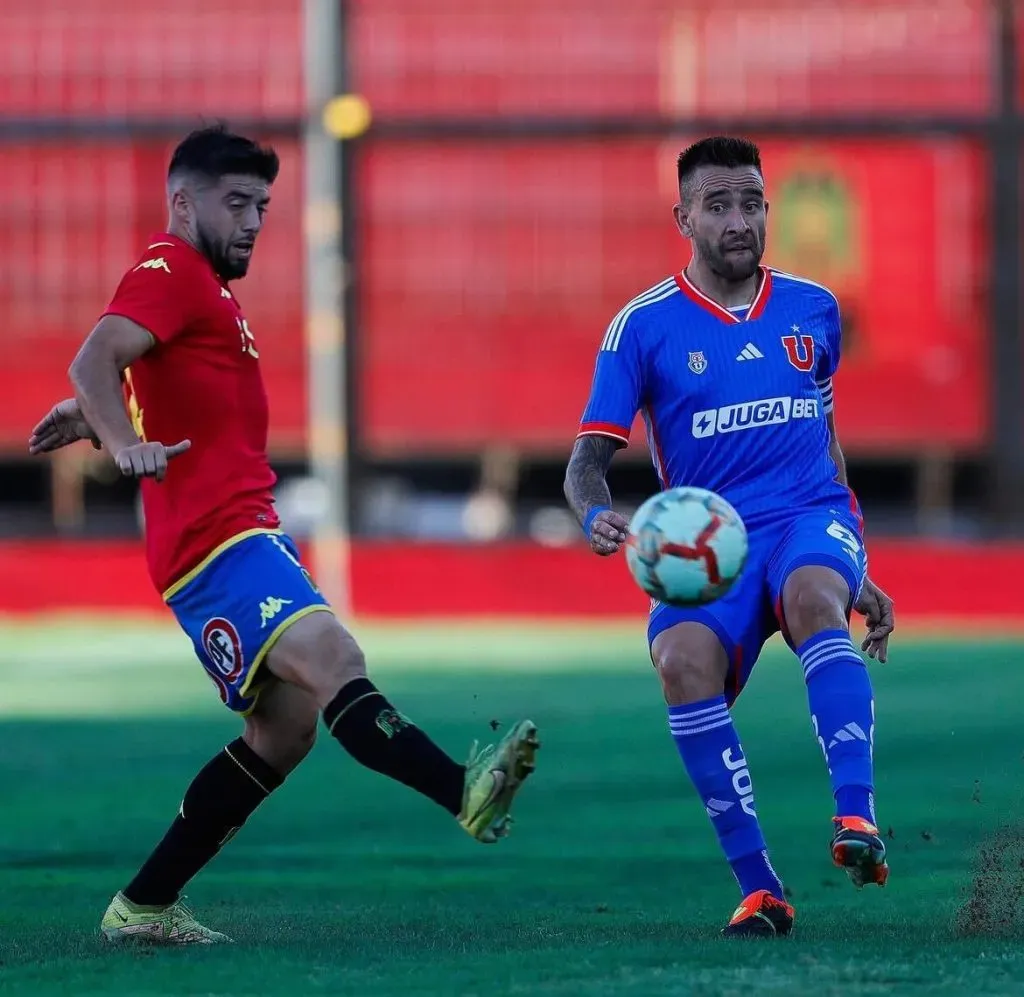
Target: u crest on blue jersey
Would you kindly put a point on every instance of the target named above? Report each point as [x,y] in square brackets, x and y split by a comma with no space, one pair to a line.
[698,362]
[800,350]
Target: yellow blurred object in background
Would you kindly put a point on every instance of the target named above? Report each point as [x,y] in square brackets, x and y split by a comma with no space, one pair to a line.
[347,116]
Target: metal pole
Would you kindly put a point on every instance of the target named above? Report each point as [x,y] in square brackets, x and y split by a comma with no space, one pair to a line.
[1007,451]
[325,320]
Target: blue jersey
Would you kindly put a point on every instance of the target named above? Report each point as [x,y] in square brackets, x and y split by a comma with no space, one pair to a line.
[733,401]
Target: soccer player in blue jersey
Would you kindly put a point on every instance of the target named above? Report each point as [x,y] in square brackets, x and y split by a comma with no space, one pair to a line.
[730,364]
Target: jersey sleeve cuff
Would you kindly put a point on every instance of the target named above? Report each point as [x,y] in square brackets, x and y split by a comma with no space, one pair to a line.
[618,433]
[825,387]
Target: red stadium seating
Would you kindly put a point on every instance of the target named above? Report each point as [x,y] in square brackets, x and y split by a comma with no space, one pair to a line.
[601,57]
[119,58]
[488,271]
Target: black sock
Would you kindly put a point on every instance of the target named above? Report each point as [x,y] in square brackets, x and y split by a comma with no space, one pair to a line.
[217,803]
[376,735]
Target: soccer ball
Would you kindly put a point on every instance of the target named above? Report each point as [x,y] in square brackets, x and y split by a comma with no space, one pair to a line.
[686,546]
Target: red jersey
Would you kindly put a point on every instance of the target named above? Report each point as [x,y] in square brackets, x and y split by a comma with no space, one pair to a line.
[201,381]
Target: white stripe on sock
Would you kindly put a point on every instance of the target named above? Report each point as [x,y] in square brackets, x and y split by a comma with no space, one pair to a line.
[683,722]
[689,731]
[825,648]
[697,713]
[831,655]
[835,647]
[851,658]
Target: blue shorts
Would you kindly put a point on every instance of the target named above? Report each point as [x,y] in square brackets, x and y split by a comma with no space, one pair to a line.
[751,611]
[237,603]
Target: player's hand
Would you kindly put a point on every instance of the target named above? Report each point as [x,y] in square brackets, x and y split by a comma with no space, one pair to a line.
[608,533]
[876,607]
[148,460]
[63,425]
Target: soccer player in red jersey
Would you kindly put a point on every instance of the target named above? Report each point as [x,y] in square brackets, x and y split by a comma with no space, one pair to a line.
[169,383]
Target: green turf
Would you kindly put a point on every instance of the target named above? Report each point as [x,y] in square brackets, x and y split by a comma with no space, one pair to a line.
[611,882]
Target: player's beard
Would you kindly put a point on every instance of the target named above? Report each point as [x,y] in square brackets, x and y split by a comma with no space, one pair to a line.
[217,253]
[731,266]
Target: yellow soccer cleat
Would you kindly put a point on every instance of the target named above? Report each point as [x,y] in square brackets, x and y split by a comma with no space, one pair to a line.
[493,777]
[171,925]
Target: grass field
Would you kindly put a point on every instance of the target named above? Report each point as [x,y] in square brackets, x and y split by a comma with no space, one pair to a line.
[611,882]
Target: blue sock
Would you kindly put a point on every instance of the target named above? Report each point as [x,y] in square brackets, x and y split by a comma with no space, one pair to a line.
[711,752]
[843,714]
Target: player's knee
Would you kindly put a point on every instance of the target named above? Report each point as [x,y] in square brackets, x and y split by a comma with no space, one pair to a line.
[351,660]
[689,672]
[318,655]
[811,608]
[341,660]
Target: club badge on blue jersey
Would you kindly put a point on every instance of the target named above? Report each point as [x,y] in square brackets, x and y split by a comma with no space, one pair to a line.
[800,350]
[698,362]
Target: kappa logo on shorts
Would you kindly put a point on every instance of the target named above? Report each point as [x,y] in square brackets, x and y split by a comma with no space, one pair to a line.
[270,607]
[223,647]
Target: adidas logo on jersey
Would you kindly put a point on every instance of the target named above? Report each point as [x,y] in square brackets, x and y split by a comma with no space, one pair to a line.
[750,352]
[750,415]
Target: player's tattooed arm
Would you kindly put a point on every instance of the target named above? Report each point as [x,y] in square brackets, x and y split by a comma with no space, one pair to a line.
[586,489]
[585,477]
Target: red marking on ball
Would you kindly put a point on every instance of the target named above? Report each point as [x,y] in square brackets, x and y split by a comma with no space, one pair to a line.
[700,551]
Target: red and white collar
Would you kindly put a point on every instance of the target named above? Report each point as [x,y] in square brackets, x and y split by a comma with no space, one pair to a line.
[757,306]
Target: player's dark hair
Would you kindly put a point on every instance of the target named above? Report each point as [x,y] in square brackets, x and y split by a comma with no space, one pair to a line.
[214,152]
[718,150]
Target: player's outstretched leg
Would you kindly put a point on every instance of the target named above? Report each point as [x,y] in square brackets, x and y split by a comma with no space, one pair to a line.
[842,712]
[693,665]
[317,654]
[225,793]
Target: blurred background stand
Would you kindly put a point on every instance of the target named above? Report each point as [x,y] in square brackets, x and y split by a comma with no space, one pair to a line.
[469,193]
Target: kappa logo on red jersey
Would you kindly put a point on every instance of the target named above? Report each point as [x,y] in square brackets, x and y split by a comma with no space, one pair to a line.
[800,350]
[223,647]
[158,264]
